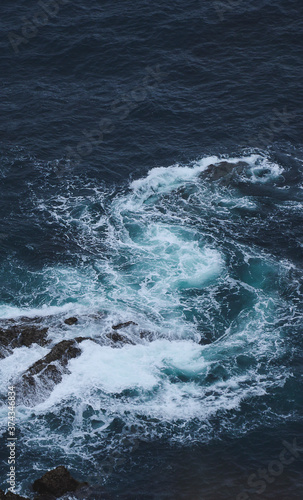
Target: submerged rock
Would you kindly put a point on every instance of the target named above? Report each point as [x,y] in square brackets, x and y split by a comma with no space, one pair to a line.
[56,483]
[123,325]
[71,321]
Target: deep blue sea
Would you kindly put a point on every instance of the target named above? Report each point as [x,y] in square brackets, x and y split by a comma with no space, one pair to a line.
[112,115]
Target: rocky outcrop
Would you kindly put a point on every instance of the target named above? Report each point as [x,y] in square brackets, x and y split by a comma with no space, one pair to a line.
[123,325]
[56,483]
[43,375]
[39,380]
[118,338]
[224,172]
[12,336]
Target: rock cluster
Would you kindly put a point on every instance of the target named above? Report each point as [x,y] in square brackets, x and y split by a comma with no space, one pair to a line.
[48,371]
[37,382]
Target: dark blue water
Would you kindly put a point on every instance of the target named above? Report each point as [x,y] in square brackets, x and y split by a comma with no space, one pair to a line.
[111,114]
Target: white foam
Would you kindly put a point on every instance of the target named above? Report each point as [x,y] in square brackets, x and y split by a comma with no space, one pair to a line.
[19,361]
[263,171]
[153,257]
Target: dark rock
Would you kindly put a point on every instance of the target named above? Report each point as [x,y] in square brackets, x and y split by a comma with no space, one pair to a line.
[71,321]
[42,376]
[62,352]
[117,337]
[57,482]
[224,171]
[25,319]
[10,496]
[21,335]
[123,325]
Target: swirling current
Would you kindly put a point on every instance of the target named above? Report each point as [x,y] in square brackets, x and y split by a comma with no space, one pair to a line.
[151,311]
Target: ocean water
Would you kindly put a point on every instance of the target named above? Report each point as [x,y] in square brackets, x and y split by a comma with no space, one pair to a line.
[113,117]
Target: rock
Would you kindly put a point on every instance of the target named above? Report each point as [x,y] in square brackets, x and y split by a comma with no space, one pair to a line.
[42,376]
[117,337]
[21,335]
[123,325]
[224,171]
[57,482]
[10,496]
[62,352]
[71,321]
[35,319]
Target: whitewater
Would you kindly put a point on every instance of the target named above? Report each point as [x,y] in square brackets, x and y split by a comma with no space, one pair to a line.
[182,257]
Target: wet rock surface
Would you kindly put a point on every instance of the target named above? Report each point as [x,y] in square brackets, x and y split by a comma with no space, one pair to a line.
[124,325]
[43,375]
[55,483]
[225,171]
[37,382]
[118,338]
[21,334]
[71,321]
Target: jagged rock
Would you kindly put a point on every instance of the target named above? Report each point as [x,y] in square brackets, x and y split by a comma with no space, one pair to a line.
[56,482]
[117,337]
[71,321]
[62,352]
[21,335]
[43,375]
[123,325]
[224,171]
[10,496]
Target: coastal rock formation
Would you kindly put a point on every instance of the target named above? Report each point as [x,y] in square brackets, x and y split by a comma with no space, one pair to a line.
[123,325]
[224,171]
[12,336]
[43,375]
[118,338]
[56,482]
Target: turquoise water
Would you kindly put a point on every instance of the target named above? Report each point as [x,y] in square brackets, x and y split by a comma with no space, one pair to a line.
[180,256]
